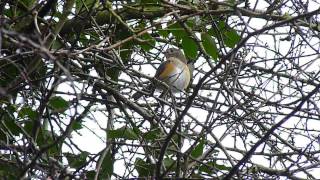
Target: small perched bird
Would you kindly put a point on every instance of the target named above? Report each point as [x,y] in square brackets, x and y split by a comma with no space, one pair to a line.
[175,72]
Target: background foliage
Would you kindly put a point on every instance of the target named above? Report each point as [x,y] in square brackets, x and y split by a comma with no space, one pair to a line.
[68,70]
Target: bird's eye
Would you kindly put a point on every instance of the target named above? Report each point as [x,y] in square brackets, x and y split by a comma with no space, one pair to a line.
[170,52]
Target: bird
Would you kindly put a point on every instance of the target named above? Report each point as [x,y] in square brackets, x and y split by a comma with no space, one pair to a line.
[174,72]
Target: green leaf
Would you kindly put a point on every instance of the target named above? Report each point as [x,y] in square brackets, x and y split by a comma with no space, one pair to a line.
[28,126]
[177,31]
[163,32]
[152,134]
[153,8]
[149,2]
[9,71]
[45,138]
[28,112]
[3,136]
[190,47]
[13,127]
[8,170]
[123,132]
[144,169]
[210,166]
[76,160]
[56,45]
[198,150]
[27,3]
[77,125]
[222,25]
[83,5]
[232,2]
[148,43]
[213,32]
[58,104]
[85,39]
[206,169]
[8,12]
[231,38]
[222,167]
[125,54]
[169,163]
[9,122]
[106,167]
[90,174]
[209,45]
[191,22]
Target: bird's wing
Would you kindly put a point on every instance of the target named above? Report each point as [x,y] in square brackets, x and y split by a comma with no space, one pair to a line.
[165,70]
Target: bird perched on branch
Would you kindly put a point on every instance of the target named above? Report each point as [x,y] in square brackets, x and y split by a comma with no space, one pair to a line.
[175,72]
